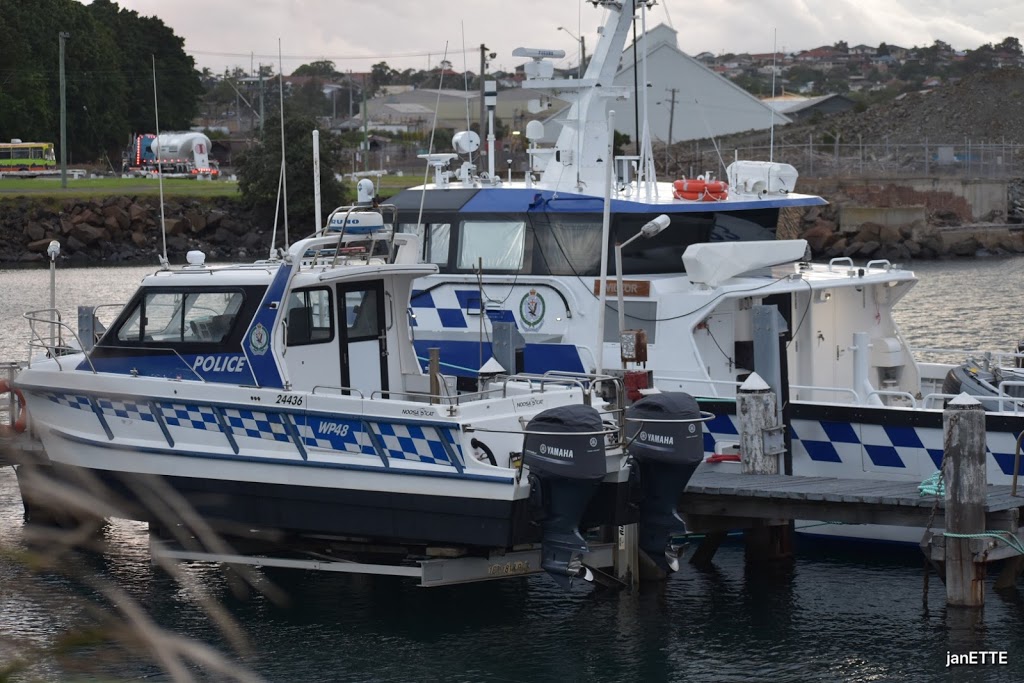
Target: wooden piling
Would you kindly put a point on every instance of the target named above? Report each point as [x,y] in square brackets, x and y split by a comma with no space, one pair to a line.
[964,477]
[755,407]
[760,444]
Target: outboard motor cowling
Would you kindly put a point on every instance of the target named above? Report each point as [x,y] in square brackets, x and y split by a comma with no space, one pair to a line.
[564,449]
[666,440]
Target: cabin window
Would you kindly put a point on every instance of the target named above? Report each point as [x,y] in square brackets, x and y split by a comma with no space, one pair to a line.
[662,253]
[435,238]
[361,315]
[182,317]
[496,245]
[310,317]
[570,246]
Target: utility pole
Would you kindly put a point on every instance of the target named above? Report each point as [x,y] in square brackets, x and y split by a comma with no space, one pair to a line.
[63,35]
[483,109]
[671,120]
[366,130]
[262,117]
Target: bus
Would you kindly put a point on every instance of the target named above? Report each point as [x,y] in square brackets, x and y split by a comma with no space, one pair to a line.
[26,156]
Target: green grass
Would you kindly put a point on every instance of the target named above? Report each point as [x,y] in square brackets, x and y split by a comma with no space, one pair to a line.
[105,187]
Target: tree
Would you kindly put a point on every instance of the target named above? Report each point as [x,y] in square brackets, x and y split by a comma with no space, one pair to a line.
[1010,44]
[322,69]
[108,67]
[309,99]
[259,168]
[382,74]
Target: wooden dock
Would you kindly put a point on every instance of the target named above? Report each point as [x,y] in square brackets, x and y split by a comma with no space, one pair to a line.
[738,498]
[964,528]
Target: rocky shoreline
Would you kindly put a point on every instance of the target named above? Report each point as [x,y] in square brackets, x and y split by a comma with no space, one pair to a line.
[126,230]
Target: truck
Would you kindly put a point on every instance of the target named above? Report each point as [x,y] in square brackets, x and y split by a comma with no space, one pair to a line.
[181,154]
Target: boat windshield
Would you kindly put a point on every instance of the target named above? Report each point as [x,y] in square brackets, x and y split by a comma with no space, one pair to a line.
[171,317]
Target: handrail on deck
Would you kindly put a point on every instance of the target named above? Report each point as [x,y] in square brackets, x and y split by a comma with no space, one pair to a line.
[52,349]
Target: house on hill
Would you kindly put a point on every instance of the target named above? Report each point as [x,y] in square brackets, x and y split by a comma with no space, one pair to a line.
[413,111]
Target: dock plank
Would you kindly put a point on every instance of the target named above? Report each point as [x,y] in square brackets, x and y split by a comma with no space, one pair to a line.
[772,495]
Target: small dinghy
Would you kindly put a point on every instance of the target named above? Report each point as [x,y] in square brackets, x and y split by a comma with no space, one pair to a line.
[992,385]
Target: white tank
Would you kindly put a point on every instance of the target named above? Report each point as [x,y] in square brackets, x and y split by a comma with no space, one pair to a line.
[190,147]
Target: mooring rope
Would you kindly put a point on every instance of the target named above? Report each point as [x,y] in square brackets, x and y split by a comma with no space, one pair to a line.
[1007,537]
[933,485]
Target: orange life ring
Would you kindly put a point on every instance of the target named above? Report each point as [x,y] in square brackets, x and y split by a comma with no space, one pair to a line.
[22,420]
[700,190]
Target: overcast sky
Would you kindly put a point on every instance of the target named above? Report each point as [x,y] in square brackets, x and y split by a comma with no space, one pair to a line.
[414,33]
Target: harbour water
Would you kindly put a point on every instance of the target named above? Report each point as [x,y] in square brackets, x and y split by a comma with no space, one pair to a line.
[840,612]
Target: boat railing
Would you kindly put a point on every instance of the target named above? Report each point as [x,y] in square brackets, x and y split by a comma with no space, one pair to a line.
[840,260]
[594,383]
[323,388]
[935,400]
[1016,402]
[340,251]
[835,390]
[55,347]
[712,383]
[893,393]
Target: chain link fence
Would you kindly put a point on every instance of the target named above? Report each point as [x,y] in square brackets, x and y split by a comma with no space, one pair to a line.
[965,159]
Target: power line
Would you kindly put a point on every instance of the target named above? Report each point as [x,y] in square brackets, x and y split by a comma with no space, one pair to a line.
[332,58]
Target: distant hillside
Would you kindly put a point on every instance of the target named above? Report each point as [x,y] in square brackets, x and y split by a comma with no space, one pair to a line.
[988,107]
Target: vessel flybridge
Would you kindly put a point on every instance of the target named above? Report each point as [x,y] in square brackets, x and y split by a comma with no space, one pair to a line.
[285,396]
[530,268]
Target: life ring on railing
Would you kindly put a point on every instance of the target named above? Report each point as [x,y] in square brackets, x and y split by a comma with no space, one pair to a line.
[700,189]
[22,420]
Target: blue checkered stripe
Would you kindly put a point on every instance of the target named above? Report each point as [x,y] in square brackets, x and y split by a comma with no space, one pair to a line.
[412,442]
[70,400]
[257,424]
[190,416]
[126,409]
[885,446]
[720,428]
[434,314]
[894,447]
[336,435]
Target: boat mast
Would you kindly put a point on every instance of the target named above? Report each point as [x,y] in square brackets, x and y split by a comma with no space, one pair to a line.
[577,161]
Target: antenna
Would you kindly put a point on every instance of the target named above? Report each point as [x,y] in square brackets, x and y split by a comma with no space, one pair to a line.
[282,184]
[465,79]
[160,171]
[316,178]
[646,170]
[430,145]
[284,166]
[771,134]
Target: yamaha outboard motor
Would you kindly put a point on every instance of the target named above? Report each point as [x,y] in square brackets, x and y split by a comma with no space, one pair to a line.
[665,438]
[564,449]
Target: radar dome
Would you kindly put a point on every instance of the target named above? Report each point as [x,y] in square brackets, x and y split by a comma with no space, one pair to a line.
[466,141]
